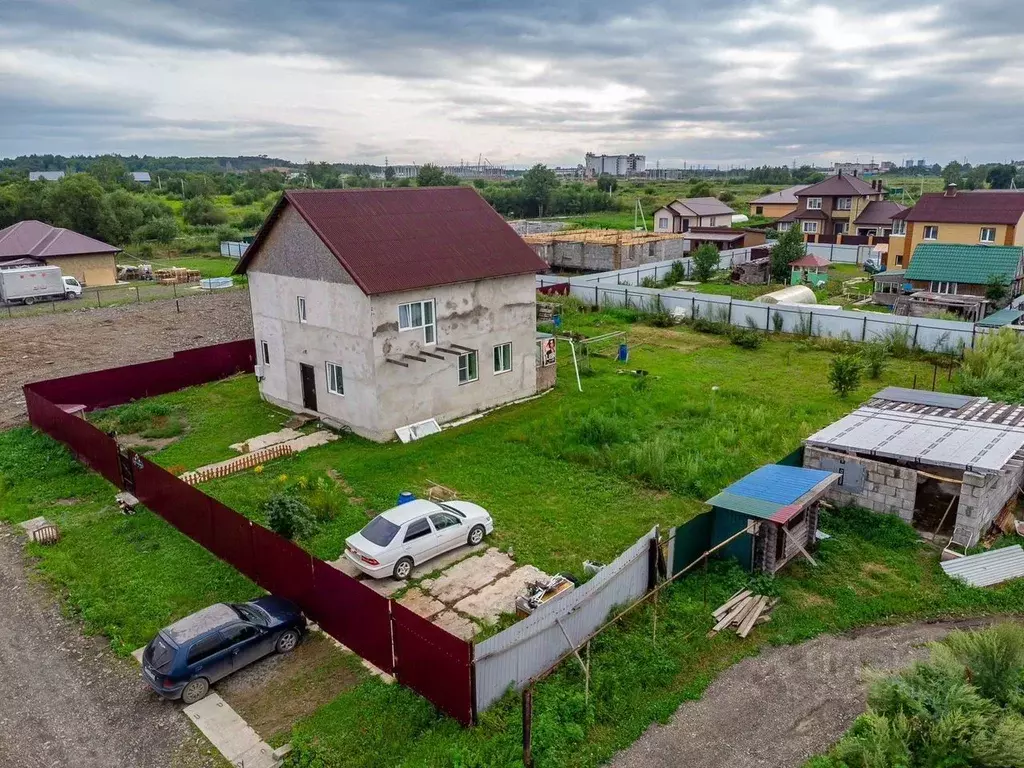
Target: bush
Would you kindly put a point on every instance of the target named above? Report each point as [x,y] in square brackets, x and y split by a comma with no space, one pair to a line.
[898,340]
[676,273]
[163,230]
[747,338]
[705,262]
[844,374]
[726,196]
[289,517]
[874,355]
[778,321]
[325,499]
[993,368]
[658,314]
[202,211]
[252,220]
[598,429]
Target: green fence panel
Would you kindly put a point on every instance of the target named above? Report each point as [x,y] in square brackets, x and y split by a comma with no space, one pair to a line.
[690,541]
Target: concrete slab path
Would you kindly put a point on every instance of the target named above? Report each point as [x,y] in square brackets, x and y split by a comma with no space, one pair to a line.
[229,733]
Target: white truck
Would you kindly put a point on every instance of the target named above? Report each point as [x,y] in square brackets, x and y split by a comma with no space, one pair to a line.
[27,285]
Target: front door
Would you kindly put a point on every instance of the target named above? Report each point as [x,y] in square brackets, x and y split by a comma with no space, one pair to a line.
[308,373]
[839,228]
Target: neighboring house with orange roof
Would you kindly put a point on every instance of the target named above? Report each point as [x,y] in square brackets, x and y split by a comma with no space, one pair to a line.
[957,217]
[92,262]
[777,204]
[832,206]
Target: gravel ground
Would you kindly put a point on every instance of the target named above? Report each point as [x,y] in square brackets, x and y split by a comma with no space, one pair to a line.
[49,346]
[65,700]
[784,706]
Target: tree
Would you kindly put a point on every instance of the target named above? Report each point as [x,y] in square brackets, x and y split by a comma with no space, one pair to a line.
[997,289]
[1000,176]
[389,173]
[202,211]
[163,230]
[844,374]
[109,171]
[953,173]
[537,184]
[430,175]
[705,262]
[76,203]
[289,517]
[607,183]
[789,247]
[726,196]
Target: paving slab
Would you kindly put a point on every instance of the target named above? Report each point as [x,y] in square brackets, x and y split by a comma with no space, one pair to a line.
[470,575]
[420,603]
[313,440]
[265,441]
[29,526]
[229,733]
[500,597]
[458,625]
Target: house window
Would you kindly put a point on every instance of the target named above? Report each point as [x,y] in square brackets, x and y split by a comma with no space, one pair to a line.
[783,226]
[467,368]
[418,314]
[265,348]
[503,358]
[301,303]
[759,210]
[810,227]
[899,227]
[943,287]
[899,260]
[662,223]
[931,232]
[988,234]
[335,382]
[813,203]
[844,203]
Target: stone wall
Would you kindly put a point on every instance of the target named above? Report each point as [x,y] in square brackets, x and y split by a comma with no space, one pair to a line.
[983,497]
[887,488]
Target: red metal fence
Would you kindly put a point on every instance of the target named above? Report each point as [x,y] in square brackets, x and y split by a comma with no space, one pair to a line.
[421,655]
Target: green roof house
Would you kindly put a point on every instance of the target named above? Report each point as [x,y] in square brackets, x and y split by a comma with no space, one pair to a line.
[965,270]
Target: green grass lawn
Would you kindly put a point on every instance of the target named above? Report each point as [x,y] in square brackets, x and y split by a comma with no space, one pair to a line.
[568,476]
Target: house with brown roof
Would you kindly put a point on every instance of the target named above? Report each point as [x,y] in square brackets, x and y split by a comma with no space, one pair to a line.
[378,308]
[685,214]
[31,243]
[832,206]
[956,217]
[777,204]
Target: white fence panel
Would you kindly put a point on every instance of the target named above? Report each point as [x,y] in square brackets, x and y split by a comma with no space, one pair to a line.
[525,650]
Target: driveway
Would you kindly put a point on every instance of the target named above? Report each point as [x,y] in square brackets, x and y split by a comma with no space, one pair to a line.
[784,706]
[65,700]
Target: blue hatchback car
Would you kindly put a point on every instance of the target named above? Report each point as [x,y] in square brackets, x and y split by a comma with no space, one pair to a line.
[184,659]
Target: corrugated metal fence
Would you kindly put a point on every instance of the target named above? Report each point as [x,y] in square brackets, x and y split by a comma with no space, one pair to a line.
[527,649]
[421,655]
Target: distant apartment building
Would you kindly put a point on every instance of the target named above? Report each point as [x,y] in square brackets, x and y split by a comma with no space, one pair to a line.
[615,165]
[855,169]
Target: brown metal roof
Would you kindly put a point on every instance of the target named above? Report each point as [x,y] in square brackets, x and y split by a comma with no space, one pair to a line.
[401,239]
[785,196]
[701,206]
[810,260]
[879,212]
[839,186]
[976,207]
[36,240]
[813,213]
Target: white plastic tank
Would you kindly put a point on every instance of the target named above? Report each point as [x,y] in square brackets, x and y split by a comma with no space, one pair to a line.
[794,294]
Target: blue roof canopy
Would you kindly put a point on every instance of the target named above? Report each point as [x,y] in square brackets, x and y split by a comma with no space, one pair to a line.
[778,483]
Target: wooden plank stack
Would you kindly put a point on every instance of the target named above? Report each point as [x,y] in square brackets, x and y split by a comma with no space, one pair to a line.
[742,612]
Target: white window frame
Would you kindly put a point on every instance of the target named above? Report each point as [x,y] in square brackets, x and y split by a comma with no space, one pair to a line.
[300,306]
[844,203]
[335,383]
[500,358]
[408,323]
[935,232]
[943,287]
[265,349]
[813,203]
[810,227]
[899,227]
[983,239]
[662,222]
[783,226]
[463,364]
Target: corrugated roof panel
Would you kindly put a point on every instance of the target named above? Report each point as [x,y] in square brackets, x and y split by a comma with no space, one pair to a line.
[988,568]
[973,264]
[778,483]
[923,397]
[745,505]
[1002,317]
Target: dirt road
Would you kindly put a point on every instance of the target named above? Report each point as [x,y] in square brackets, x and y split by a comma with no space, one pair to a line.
[782,707]
[61,344]
[65,700]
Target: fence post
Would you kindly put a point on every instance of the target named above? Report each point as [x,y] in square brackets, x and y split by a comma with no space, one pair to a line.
[98,304]
[528,726]
[974,329]
[174,288]
[916,329]
[138,296]
[730,311]
[627,298]
[864,330]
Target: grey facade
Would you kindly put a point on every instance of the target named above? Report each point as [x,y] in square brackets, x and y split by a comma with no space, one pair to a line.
[388,377]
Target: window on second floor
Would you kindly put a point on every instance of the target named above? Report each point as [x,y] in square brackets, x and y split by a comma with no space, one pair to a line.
[418,314]
[844,203]
[810,227]
[266,352]
[813,203]
[300,302]
[931,232]
[899,227]
[988,234]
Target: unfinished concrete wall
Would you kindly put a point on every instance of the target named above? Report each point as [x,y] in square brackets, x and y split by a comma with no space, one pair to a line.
[983,497]
[886,487]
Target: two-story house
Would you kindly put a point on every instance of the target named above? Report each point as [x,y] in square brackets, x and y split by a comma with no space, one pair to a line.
[955,217]
[686,214]
[833,206]
[378,308]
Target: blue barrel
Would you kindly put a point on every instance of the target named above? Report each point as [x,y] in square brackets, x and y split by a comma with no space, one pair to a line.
[623,353]
[557,319]
[405,497]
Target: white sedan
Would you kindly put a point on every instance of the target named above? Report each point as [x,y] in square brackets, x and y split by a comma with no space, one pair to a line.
[412,533]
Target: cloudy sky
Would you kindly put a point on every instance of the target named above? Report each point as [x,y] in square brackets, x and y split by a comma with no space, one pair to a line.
[723,82]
